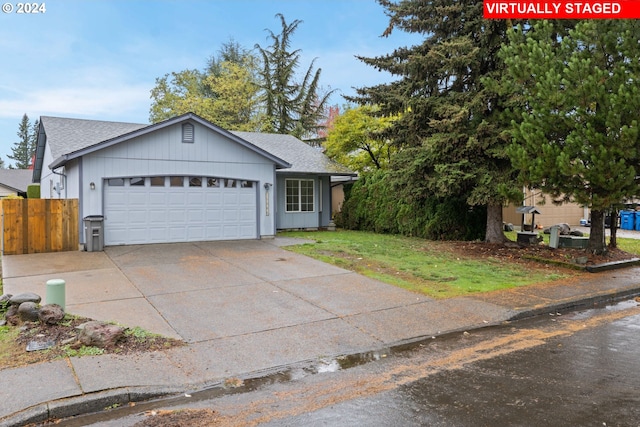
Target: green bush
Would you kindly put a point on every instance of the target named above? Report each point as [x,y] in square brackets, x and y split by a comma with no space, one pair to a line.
[33,191]
[373,204]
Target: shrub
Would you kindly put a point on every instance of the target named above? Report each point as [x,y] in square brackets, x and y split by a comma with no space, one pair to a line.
[33,191]
[373,204]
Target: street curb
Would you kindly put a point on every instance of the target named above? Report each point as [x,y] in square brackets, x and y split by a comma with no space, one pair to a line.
[612,265]
[86,403]
[99,401]
[575,305]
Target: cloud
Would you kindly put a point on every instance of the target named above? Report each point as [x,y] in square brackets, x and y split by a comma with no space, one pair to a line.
[80,101]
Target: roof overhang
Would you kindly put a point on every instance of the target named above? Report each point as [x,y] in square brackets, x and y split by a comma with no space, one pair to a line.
[62,160]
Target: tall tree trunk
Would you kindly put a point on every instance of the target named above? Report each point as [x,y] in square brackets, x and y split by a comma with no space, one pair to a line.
[495,231]
[613,226]
[596,238]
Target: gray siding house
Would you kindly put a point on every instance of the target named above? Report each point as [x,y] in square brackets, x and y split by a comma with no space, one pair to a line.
[14,182]
[183,179]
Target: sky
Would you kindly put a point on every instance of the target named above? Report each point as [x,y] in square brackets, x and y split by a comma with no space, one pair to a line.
[99,59]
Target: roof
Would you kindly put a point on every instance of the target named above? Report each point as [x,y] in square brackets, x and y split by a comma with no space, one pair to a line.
[303,157]
[73,138]
[16,179]
[66,136]
[528,210]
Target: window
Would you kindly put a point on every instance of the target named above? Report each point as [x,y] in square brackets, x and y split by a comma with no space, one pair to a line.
[195,182]
[157,181]
[247,184]
[136,182]
[213,182]
[115,182]
[187,132]
[230,183]
[299,195]
[176,181]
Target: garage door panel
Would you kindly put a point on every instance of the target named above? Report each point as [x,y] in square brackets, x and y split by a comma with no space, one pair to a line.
[157,234]
[174,198]
[144,214]
[158,199]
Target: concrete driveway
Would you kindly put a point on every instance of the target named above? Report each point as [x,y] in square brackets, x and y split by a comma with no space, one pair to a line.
[211,290]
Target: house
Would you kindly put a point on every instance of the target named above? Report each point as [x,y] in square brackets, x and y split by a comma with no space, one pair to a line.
[550,214]
[14,182]
[184,179]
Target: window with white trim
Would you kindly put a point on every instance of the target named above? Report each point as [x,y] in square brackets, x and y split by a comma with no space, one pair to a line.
[299,195]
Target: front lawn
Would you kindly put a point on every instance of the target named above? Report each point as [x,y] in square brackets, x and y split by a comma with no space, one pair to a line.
[436,269]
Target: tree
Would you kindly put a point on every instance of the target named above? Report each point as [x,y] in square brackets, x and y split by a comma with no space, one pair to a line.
[291,107]
[577,137]
[225,93]
[352,140]
[451,128]
[24,150]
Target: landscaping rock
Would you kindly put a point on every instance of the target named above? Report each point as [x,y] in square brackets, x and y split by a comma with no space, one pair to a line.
[563,229]
[5,298]
[25,297]
[28,311]
[51,314]
[12,315]
[100,334]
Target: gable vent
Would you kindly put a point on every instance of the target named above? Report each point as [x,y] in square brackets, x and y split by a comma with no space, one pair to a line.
[187,132]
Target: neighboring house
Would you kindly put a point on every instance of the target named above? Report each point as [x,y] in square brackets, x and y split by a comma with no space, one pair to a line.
[184,179]
[14,182]
[551,214]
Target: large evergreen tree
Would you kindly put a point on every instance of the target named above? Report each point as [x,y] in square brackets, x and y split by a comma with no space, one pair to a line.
[24,150]
[451,130]
[292,106]
[578,137]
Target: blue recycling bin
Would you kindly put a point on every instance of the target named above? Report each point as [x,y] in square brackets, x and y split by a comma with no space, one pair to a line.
[627,220]
[637,220]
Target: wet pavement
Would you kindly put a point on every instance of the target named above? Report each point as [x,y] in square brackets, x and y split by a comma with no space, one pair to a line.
[246,309]
[576,369]
[589,378]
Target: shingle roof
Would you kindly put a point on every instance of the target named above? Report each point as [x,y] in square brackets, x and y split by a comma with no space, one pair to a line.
[16,179]
[303,157]
[66,136]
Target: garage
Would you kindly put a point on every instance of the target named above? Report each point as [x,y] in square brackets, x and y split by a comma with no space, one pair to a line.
[156,209]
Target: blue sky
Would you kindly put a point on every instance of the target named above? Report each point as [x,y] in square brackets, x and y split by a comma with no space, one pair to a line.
[98,59]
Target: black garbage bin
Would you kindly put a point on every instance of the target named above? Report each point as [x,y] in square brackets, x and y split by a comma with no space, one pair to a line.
[94,233]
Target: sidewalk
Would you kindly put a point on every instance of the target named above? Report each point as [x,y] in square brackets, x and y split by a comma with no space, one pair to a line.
[89,384]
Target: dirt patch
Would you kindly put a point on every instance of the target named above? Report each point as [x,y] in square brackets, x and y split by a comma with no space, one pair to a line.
[534,255]
[63,336]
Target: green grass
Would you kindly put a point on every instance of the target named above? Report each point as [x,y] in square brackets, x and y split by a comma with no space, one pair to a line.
[416,264]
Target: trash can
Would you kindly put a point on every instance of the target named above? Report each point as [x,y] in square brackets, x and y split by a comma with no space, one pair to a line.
[627,219]
[94,233]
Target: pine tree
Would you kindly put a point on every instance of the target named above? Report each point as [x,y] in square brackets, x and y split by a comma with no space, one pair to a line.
[292,107]
[451,131]
[24,149]
[578,136]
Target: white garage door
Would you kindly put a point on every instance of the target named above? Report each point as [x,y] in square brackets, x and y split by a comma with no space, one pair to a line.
[178,209]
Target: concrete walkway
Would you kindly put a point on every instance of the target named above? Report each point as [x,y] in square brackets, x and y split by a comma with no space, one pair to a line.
[244,308]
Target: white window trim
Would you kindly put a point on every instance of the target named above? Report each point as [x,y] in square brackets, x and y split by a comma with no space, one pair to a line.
[313,188]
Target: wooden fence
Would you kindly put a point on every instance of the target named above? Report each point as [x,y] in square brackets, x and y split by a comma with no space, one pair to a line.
[39,225]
